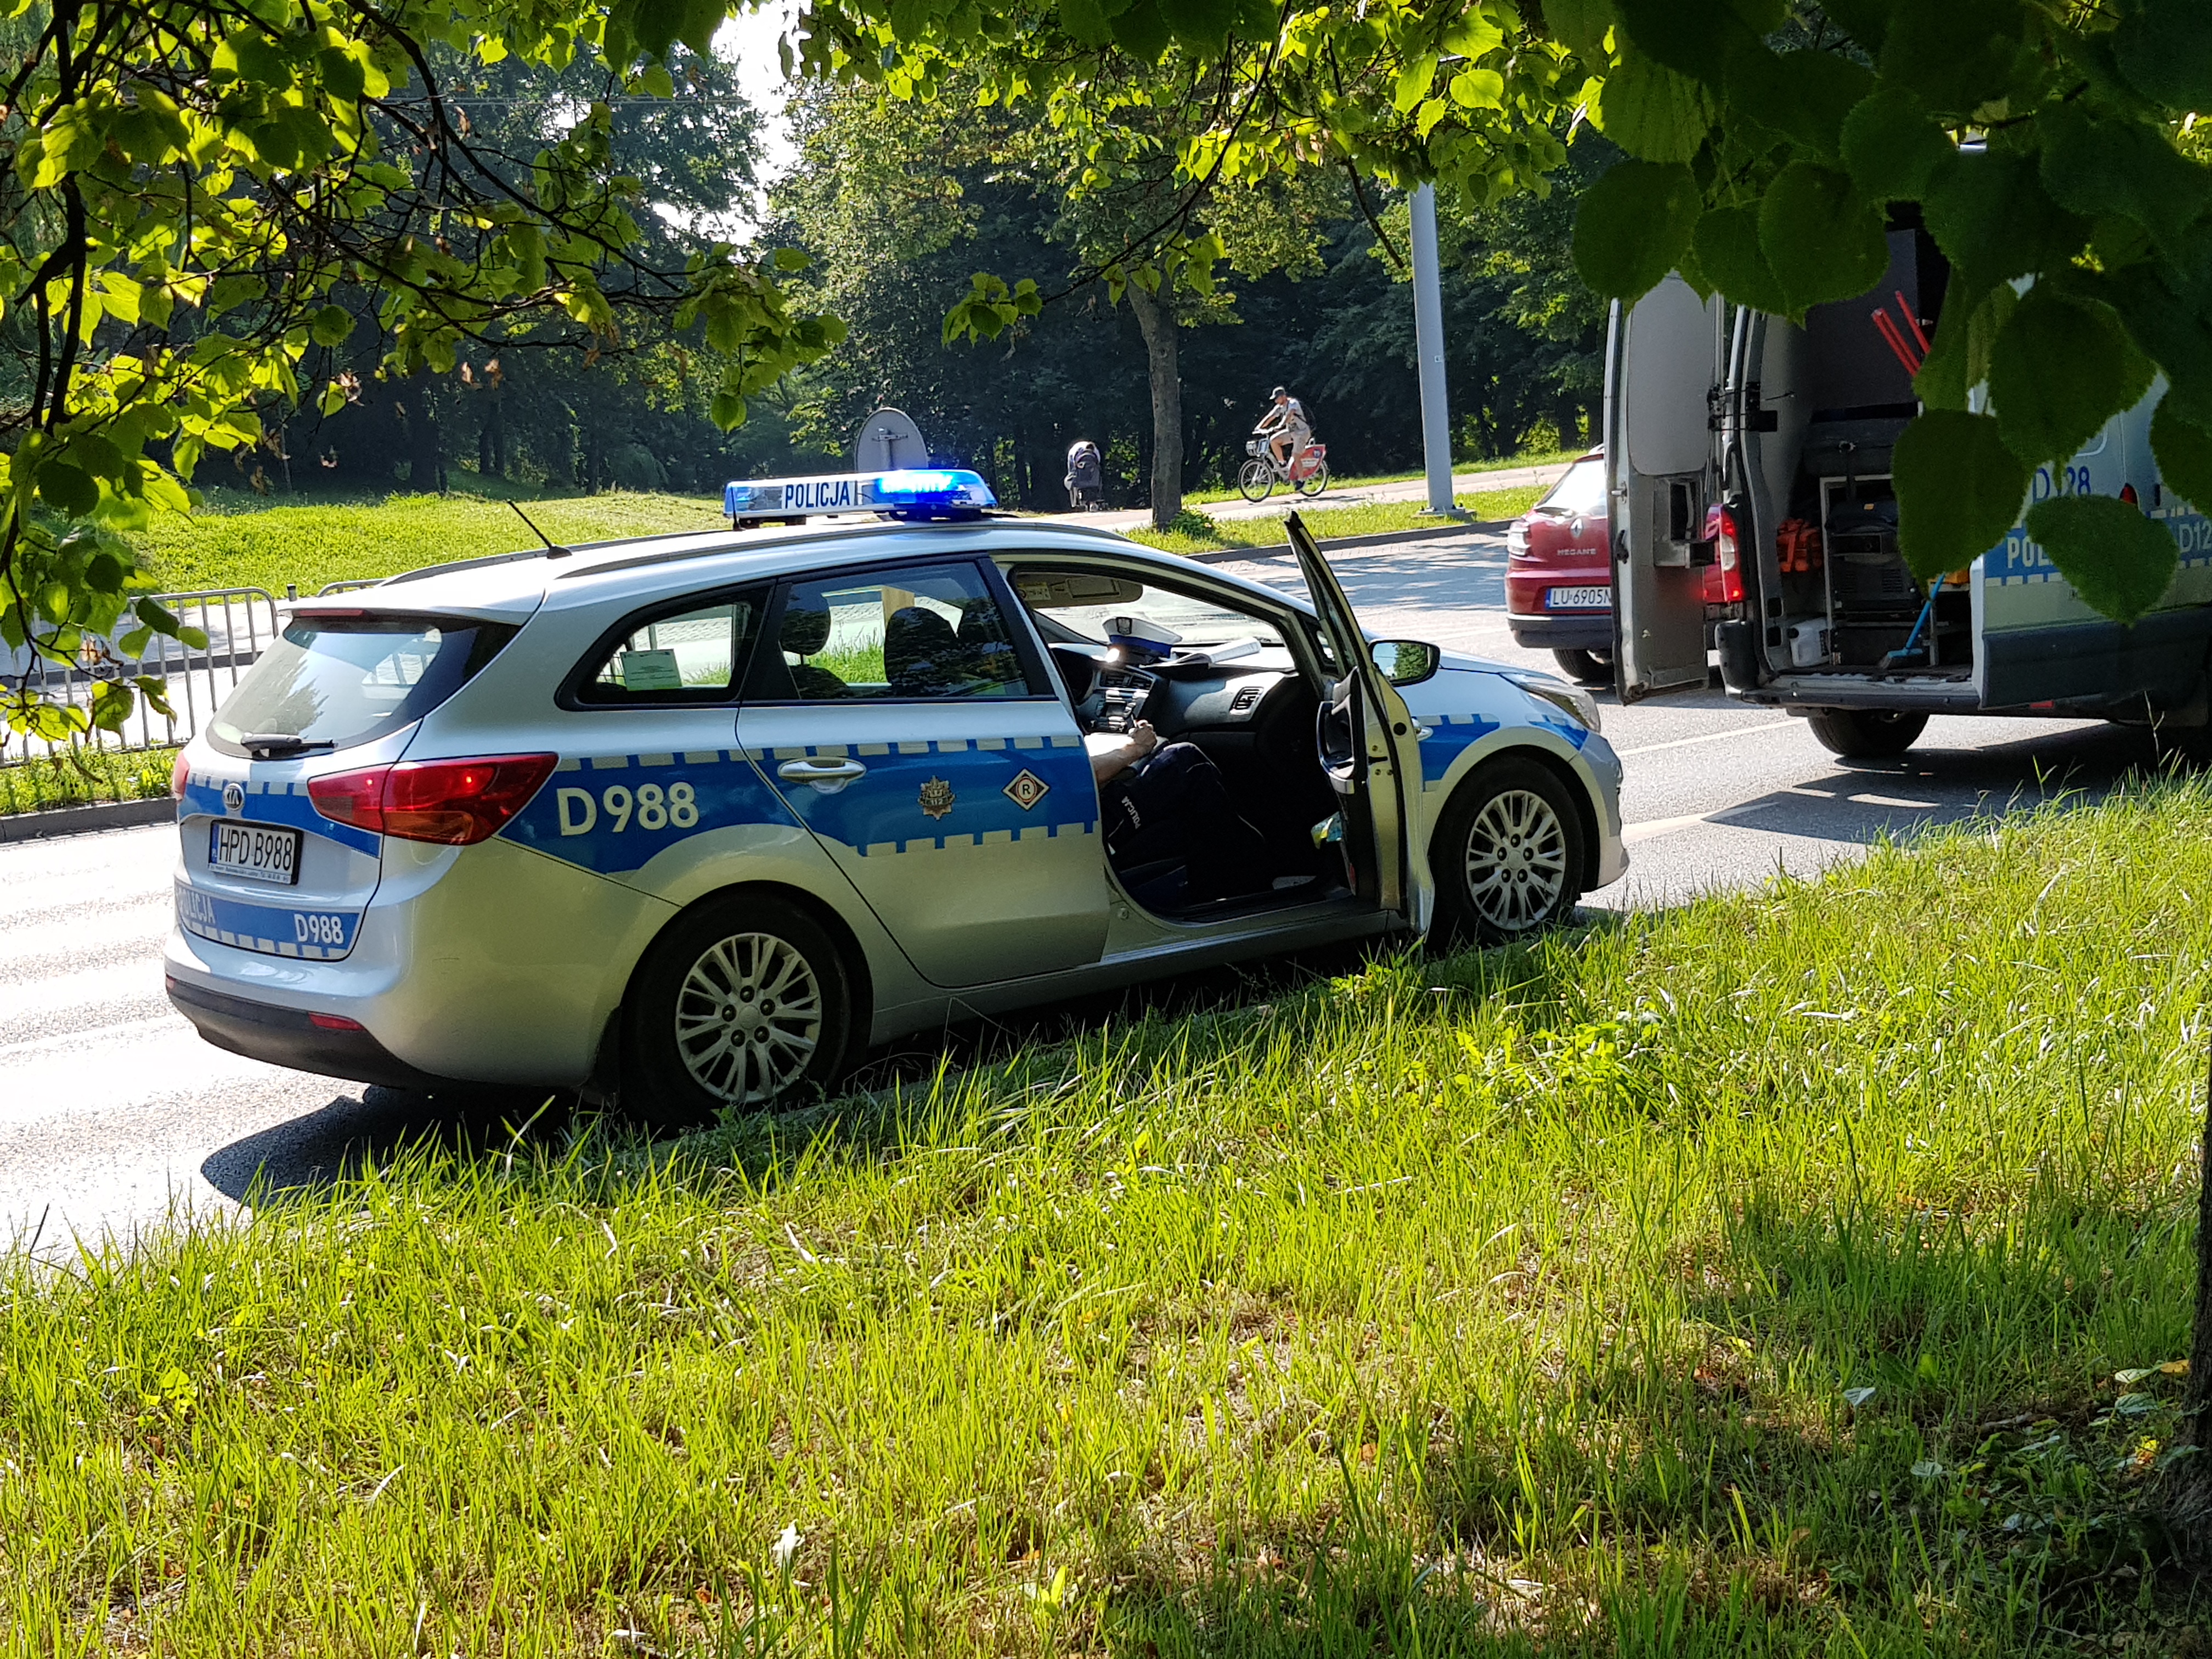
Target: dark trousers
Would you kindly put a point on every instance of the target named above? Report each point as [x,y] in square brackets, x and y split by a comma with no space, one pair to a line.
[1173,805]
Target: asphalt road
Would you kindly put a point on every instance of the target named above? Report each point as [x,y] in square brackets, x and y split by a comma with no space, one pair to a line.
[114,1115]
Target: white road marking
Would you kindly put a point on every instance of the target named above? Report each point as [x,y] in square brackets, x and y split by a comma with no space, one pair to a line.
[1651,828]
[1709,736]
[1892,800]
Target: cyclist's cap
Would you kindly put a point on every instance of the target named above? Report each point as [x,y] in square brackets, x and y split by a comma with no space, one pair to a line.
[1279,392]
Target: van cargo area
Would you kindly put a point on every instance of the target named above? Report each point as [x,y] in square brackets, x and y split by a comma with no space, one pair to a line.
[1819,420]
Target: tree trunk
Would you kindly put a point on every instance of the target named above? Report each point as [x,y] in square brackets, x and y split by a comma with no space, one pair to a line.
[491,440]
[1156,319]
[425,464]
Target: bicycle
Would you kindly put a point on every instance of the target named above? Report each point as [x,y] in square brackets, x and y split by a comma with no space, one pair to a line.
[1307,473]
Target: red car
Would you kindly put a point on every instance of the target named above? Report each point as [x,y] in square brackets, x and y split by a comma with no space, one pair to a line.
[1559,574]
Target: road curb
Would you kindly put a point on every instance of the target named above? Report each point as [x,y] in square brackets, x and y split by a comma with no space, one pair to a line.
[1378,538]
[81,820]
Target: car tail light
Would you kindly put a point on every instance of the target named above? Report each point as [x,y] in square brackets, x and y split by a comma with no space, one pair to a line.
[2127,494]
[455,802]
[1724,579]
[180,777]
[1517,539]
[334,1022]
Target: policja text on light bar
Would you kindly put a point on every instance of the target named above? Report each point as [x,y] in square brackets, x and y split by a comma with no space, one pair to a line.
[916,492]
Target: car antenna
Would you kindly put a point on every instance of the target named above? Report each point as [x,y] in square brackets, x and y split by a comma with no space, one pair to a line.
[553,548]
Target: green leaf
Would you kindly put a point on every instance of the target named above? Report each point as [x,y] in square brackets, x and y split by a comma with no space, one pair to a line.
[727,410]
[97,455]
[1631,226]
[791,259]
[1086,22]
[103,574]
[1892,147]
[1731,260]
[656,23]
[2184,452]
[1693,37]
[341,73]
[2058,371]
[2120,561]
[156,615]
[2164,47]
[1581,23]
[2174,334]
[1954,55]
[1412,83]
[700,18]
[2094,168]
[1989,213]
[1822,239]
[1959,490]
[1867,22]
[1142,31]
[1960,359]
[331,325]
[1651,112]
[67,489]
[1805,95]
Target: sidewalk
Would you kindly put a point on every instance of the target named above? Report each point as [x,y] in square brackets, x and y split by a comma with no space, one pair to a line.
[1408,489]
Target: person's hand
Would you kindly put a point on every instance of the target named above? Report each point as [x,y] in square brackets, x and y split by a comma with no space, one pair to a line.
[1144,737]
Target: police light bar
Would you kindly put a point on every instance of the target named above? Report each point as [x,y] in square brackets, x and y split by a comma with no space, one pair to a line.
[913,493]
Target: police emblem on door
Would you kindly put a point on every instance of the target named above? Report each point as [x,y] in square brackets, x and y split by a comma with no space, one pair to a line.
[937,798]
[1026,789]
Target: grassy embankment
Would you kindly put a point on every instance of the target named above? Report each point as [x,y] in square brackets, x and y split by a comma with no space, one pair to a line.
[1751,1279]
[269,546]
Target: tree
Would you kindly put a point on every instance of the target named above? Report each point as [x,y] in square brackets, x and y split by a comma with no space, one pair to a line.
[186,186]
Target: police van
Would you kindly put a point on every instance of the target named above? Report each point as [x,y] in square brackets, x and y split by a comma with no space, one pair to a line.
[692,820]
[1741,439]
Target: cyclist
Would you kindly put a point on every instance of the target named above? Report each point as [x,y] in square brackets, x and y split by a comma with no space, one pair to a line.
[1285,429]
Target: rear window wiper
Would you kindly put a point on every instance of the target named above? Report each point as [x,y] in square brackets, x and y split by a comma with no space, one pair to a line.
[280,746]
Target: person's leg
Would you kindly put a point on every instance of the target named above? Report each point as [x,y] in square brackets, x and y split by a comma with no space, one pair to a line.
[1176,787]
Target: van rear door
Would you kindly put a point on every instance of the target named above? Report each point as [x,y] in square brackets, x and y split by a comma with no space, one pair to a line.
[1663,364]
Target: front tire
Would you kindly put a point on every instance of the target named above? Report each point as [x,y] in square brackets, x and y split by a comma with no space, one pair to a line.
[1866,733]
[744,1003]
[1507,855]
[1314,482]
[1584,667]
[1255,480]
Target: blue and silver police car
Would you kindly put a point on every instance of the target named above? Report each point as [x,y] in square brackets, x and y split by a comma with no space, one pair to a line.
[690,821]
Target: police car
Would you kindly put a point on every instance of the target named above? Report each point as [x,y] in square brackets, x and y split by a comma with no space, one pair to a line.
[690,821]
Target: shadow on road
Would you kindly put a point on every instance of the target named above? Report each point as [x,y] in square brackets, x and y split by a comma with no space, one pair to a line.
[356,1132]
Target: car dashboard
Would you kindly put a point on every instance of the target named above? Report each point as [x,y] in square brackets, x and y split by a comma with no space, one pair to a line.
[1179,695]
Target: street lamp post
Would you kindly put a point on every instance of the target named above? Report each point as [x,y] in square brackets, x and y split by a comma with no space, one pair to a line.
[1429,347]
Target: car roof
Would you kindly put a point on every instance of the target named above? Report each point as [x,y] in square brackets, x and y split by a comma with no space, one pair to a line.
[512,586]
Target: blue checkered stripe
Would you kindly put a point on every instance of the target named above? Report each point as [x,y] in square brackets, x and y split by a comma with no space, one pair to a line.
[1449,736]
[280,803]
[278,930]
[883,814]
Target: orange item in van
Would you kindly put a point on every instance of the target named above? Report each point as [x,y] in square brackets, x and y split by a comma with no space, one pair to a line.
[1796,547]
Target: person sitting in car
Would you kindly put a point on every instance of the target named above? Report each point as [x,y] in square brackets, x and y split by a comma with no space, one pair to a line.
[1167,802]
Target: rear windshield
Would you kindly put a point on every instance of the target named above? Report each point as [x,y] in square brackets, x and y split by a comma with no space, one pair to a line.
[1580,494]
[338,681]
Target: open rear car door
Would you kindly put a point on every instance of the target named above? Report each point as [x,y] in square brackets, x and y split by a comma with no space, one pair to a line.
[1368,745]
[1664,366]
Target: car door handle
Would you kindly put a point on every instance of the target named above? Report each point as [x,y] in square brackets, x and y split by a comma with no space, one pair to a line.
[826,775]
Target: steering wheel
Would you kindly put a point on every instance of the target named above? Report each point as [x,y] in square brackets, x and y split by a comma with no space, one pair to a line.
[1336,736]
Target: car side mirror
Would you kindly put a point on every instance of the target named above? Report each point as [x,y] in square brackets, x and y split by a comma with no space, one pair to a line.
[1405,662]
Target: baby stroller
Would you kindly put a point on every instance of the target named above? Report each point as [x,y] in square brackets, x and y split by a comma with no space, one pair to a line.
[1086,476]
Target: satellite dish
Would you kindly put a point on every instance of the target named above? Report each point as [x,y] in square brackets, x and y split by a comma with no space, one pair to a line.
[889,440]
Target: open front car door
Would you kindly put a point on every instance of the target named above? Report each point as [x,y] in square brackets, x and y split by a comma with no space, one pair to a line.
[1663,364]
[1368,745]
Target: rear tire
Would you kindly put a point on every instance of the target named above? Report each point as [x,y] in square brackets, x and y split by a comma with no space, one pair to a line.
[743,1003]
[1866,733]
[1508,854]
[1255,480]
[1314,482]
[1584,667]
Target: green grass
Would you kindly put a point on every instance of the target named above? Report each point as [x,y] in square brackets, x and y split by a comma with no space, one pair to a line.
[1533,458]
[1750,1279]
[81,776]
[250,545]
[1201,532]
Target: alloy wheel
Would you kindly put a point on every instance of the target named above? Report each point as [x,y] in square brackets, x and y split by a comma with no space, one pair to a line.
[748,1019]
[1517,860]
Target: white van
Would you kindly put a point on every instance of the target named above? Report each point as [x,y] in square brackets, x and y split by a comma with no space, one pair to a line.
[1737,438]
